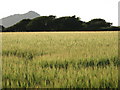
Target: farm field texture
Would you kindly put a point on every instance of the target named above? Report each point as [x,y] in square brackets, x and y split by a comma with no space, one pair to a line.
[60,60]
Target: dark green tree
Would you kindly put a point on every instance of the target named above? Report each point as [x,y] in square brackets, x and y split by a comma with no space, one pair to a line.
[20,26]
[2,28]
[42,23]
[68,23]
[98,24]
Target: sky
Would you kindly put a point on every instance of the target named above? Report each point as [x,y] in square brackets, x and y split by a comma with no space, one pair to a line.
[85,9]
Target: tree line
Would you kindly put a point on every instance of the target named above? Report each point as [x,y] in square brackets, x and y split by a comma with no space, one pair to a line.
[51,23]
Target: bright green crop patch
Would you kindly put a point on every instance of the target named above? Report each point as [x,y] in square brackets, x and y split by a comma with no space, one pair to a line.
[60,60]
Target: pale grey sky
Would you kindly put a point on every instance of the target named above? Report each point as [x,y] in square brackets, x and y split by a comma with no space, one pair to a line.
[85,9]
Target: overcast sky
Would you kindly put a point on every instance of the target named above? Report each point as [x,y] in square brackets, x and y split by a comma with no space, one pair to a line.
[85,9]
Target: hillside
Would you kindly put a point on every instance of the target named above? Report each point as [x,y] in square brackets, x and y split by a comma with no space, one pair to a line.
[13,19]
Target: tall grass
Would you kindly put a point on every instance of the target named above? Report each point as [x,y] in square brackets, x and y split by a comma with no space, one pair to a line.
[60,60]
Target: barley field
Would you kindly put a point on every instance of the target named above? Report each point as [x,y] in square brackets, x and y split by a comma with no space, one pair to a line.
[60,60]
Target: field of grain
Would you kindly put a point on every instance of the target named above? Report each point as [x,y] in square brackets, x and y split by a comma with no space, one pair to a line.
[60,60]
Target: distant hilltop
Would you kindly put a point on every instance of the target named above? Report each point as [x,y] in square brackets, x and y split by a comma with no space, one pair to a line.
[13,19]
